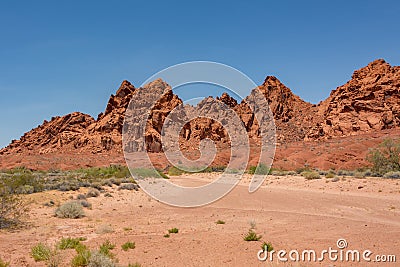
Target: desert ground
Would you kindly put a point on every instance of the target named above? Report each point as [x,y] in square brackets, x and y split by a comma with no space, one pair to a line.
[290,212]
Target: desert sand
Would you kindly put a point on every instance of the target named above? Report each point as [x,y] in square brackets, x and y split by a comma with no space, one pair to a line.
[290,212]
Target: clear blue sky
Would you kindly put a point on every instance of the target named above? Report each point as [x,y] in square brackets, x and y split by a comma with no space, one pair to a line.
[57,57]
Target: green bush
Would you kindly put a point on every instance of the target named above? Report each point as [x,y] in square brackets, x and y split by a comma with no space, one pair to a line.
[134,265]
[175,171]
[220,222]
[128,245]
[173,231]
[12,206]
[41,252]
[267,246]
[82,258]
[309,175]
[71,209]
[261,169]
[386,157]
[148,173]
[252,236]
[330,174]
[4,264]
[106,248]
[70,243]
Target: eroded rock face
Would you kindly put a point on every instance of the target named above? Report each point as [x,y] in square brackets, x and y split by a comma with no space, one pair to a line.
[370,101]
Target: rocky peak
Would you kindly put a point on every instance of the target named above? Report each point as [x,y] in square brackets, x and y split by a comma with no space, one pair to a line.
[121,98]
[228,100]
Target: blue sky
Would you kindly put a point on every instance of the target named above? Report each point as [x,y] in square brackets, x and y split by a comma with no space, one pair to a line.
[57,57]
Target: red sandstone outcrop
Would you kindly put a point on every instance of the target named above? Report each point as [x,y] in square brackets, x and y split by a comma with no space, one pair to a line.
[370,101]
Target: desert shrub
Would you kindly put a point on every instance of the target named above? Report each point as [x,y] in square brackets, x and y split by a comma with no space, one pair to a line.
[359,174]
[12,206]
[128,245]
[173,230]
[386,157]
[166,235]
[41,252]
[98,259]
[106,248]
[279,173]
[116,171]
[309,175]
[82,258]
[330,175]
[71,209]
[267,246]
[291,173]
[81,196]
[54,259]
[136,264]
[175,171]
[252,236]
[4,264]
[260,169]
[147,173]
[345,173]
[84,203]
[220,222]
[93,192]
[393,175]
[24,181]
[104,229]
[70,243]
[107,182]
[128,186]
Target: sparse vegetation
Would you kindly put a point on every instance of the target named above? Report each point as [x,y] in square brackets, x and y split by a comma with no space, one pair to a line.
[310,175]
[128,245]
[386,157]
[98,259]
[148,173]
[330,175]
[261,169]
[4,264]
[134,265]
[104,229]
[106,248]
[128,186]
[71,209]
[41,252]
[267,246]
[82,258]
[393,175]
[55,258]
[12,207]
[173,230]
[220,222]
[70,243]
[93,192]
[175,171]
[166,235]
[252,236]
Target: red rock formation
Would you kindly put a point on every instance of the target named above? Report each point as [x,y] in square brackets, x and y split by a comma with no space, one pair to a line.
[369,102]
